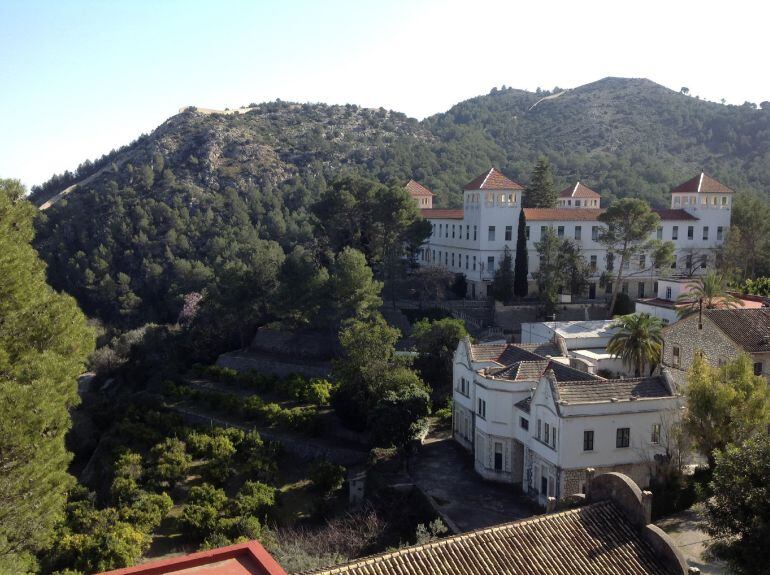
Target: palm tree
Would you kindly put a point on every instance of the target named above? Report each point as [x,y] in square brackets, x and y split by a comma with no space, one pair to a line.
[638,341]
[709,290]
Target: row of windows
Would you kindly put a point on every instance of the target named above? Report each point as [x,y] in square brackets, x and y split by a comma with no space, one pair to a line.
[693,200]
[676,356]
[580,203]
[490,198]
[622,437]
[549,434]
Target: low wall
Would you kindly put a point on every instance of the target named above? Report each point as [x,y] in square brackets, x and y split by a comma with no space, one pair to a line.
[250,361]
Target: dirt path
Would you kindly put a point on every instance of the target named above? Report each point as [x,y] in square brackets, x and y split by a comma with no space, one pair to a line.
[686,529]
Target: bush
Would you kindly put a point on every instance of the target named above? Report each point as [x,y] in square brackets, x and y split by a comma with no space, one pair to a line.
[624,305]
[200,517]
[327,477]
[147,511]
[171,461]
[319,391]
[254,499]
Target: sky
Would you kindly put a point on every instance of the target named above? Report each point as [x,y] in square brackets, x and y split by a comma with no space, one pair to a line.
[79,78]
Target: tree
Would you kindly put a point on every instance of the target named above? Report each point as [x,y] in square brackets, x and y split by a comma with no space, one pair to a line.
[541,192]
[638,341]
[574,267]
[708,290]
[726,404]
[205,505]
[396,417]
[436,342]
[352,290]
[549,275]
[629,223]
[750,224]
[44,343]
[254,499]
[521,265]
[757,286]
[502,284]
[684,90]
[171,461]
[327,477]
[738,513]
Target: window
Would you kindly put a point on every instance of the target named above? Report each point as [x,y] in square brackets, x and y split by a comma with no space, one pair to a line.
[757,368]
[610,261]
[542,231]
[491,236]
[498,456]
[655,435]
[508,233]
[677,200]
[526,232]
[465,387]
[588,440]
[623,437]
[676,355]
[539,422]
[724,200]
[446,258]
[474,233]
[690,232]
[640,289]
[524,423]
[577,203]
[626,264]
[668,293]
[491,264]
[467,232]
[720,233]
[446,231]
[642,261]
[433,255]
[660,233]
[553,438]
[593,263]
[547,435]
[453,231]
[595,233]
[474,264]
[466,261]
[578,232]
[704,260]
[560,231]
[705,232]
[608,287]
[482,410]
[675,233]
[453,259]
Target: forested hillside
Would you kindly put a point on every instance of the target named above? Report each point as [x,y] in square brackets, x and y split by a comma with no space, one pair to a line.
[168,214]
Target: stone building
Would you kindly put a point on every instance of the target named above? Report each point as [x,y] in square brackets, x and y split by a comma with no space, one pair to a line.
[719,335]
[472,240]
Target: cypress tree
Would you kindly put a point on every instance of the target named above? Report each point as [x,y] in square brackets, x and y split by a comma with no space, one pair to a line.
[541,192]
[44,342]
[521,265]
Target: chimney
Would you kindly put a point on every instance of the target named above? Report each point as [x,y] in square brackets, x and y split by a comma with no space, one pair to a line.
[590,472]
[550,507]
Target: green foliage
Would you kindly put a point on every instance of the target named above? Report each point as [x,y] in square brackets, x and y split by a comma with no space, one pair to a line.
[540,192]
[171,461]
[433,531]
[562,268]
[738,514]
[205,506]
[503,282]
[709,290]
[638,341]
[352,290]
[396,418]
[744,255]
[436,342]
[147,511]
[459,286]
[521,264]
[254,499]
[726,404]
[759,286]
[327,477]
[44,343]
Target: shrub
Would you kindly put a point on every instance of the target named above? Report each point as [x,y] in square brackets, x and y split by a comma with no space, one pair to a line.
[319,391]
[147,511]
[327,477]
[171,461]
[254,499]
[200,517]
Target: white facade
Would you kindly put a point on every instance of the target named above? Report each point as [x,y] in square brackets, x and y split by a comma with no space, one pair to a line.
[521,431]
[472,240]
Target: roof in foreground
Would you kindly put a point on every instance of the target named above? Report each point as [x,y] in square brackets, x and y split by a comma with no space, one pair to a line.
[578,191]
[749,328]
[591,391]
[596,539]
[416,189]
[492,180]
[702,184]
[241,559]
[441,214]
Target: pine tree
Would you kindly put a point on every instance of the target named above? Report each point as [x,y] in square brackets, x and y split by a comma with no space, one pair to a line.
[502,285]
[541,192]
[521,266]
[44,342]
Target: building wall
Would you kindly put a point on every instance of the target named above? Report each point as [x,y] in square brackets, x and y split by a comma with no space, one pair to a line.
[689,338]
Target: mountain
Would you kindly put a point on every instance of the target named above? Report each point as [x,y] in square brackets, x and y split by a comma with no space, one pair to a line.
[136,230]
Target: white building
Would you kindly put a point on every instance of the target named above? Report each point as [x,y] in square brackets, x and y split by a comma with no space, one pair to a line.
[471,240]
[532,421]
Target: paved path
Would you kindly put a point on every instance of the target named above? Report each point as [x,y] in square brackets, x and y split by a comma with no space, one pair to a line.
[685,529]
[445,472]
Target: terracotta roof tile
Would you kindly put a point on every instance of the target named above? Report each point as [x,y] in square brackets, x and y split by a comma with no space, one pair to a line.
[441,214]
[578,191]
[596,539]
[702,184]
[416,189]
[562,214]
[588,391]
[492,180]
[749,328]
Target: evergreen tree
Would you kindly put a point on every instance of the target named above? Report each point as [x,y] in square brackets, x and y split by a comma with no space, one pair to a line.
[541,192]
[521,265]
[44,342]
[502,284]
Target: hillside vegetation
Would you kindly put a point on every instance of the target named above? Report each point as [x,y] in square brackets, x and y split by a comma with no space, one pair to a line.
[172,210]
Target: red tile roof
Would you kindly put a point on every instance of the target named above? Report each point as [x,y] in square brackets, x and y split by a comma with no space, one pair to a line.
[441,214]
[674,215]
[558,214]
[702,184]
[578,191]
[417,190]
[492,180]
[241,559]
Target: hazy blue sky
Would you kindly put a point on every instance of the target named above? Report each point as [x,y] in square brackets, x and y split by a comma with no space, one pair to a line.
[78,78]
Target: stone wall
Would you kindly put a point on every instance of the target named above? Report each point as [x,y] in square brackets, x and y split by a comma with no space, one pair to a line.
[262,363]
[691,339]
[573,480]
